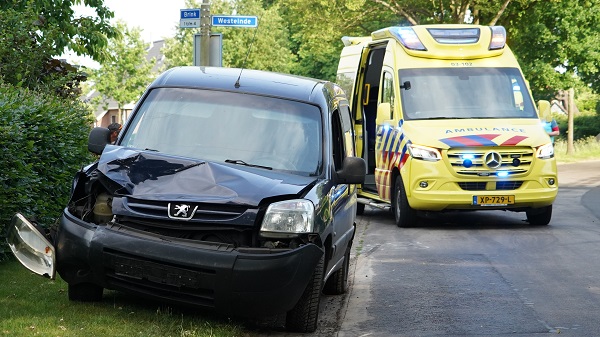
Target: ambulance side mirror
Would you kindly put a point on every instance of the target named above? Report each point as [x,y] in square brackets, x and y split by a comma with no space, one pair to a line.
[384,113]
[544,109]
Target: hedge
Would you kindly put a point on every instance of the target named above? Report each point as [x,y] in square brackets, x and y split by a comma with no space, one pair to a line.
[44,142]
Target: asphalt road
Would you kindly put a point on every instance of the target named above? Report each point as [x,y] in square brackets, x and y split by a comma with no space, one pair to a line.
[477,273]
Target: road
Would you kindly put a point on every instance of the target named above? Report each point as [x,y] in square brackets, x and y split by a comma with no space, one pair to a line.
[478,273]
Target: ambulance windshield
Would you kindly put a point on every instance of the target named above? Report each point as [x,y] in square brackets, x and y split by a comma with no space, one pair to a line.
[229,127]
[464,92]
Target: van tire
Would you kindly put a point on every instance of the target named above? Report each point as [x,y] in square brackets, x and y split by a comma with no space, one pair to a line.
[404,215]
[539,216]
[337,283]
[85,292]
[304,315]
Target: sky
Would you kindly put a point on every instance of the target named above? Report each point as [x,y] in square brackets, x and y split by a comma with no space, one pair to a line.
[156,18]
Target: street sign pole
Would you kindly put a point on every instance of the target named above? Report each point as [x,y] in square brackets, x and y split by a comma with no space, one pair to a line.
[205,33]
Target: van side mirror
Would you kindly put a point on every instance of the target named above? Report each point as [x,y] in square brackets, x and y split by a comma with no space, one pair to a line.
[98,139]
[384,113]
[353,171]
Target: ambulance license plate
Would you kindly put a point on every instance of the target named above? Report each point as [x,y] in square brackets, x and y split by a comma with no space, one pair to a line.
[493,200]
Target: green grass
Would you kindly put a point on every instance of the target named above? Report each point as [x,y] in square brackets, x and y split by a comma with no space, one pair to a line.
[31,305]
[584,149]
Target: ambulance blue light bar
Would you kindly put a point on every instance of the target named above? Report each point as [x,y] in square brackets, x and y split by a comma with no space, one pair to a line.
[454,35]
[408,38]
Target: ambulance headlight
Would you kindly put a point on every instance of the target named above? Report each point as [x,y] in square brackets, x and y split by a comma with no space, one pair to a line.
[424,152]
[288,217]
[545,151]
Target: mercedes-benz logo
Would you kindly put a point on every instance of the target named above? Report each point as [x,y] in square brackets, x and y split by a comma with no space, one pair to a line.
[493,160]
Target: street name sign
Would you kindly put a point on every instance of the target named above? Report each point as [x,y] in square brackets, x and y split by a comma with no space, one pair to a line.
[234,21]
[189,18]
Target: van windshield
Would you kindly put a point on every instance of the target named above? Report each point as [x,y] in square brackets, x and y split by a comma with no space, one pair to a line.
[240,129]
[439,93]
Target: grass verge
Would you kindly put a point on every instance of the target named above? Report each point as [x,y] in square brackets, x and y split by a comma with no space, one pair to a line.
[31,305]
[584,149]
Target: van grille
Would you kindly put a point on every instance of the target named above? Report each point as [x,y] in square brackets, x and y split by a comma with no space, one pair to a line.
[471,161]
[216,223]
[205,212]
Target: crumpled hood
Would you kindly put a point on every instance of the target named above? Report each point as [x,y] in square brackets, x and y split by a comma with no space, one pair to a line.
[156,176]
[447,133]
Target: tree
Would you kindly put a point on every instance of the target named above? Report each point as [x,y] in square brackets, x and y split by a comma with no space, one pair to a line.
[85,35]
[557,43]
[128,72]
[26,56]
[266,47]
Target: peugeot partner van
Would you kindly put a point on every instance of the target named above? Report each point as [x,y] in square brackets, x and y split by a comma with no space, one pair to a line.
[228,189]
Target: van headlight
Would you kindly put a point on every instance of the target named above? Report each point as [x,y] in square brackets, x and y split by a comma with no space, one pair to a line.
[290,217]
[424,152]
[545,151]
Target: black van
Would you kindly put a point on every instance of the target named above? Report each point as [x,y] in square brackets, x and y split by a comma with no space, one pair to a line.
[227,189]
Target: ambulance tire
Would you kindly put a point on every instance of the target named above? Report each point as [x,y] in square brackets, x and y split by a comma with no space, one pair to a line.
[360,208]
[539,216]
[404,215]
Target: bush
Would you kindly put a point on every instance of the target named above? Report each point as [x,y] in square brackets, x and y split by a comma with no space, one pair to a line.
[44,142]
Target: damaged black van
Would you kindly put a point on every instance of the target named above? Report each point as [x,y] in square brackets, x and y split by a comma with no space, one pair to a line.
[227,189]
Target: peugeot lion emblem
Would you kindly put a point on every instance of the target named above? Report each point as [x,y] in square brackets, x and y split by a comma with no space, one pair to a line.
[181,211]
[493,160]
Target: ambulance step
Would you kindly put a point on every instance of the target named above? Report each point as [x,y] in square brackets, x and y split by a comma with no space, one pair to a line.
[369,202]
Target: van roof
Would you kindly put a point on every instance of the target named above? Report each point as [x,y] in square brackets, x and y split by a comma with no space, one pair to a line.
[250,81]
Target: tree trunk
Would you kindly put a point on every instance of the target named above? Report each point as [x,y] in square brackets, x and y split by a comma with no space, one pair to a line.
[571,112]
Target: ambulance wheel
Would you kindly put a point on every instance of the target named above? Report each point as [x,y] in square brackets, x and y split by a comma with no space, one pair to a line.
[360,208]
[404,215]
[539,216]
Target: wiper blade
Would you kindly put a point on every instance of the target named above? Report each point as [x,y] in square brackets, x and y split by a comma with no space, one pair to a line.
[188,166]
[241,162]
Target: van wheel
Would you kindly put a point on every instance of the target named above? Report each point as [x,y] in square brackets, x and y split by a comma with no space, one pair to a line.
[404,215]
[539,216]
[85,292]
[337,283]
[360,208]
[304,315]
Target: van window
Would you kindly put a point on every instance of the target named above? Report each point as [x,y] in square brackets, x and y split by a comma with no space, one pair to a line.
[387,90]
[219,126]
[437,93]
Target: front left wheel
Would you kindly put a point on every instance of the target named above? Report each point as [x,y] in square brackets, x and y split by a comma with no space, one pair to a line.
[304,315]
[85,292]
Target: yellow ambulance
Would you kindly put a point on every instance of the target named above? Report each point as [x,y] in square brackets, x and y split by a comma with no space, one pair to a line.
[446,121]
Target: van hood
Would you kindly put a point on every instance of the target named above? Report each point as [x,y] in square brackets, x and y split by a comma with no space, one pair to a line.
[448,133]
[157,176]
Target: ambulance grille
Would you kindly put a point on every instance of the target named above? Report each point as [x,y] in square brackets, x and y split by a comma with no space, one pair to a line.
[494,186]
[471,161]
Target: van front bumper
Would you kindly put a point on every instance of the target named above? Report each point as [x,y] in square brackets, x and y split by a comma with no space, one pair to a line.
[241,282]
